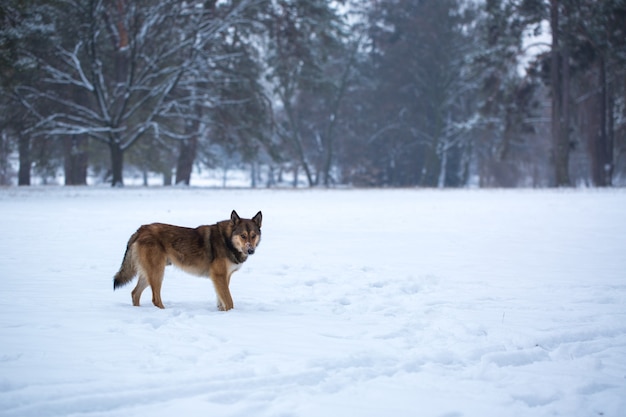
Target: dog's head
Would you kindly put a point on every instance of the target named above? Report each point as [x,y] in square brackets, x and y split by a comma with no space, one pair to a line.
[246,233]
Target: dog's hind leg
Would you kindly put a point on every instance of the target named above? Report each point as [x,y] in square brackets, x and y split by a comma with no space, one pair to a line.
[157,280]
[152,262]
[155,262]
[142,284]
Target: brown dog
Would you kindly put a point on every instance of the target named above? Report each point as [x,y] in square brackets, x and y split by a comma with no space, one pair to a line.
[214,251]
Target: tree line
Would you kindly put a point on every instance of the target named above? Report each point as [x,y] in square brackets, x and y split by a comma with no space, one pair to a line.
[446,93]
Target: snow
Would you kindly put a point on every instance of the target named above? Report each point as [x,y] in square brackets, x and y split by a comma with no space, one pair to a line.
[357,302]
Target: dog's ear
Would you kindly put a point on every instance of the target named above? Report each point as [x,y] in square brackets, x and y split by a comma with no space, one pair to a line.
[257,219]
[234,218]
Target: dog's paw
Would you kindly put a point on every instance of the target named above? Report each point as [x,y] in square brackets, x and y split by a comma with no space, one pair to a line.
[221,307]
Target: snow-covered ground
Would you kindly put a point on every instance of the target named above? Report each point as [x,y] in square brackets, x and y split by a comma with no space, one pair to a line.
[357,303]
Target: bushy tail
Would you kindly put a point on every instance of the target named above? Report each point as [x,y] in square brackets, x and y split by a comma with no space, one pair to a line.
[128,269]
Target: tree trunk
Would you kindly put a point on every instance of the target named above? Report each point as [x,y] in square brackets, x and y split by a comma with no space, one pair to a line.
[186,158]
[294,136]
[431,168]
[296,172]
[610,129]
[75,160]
[329,135]
[117,164]
[167,177]
[602,154]
[559,79]
[188,147]
[443,167]
[26,162]
[5,164]
[253,174]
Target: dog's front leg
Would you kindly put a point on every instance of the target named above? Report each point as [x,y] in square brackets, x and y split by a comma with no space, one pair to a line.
[224,299]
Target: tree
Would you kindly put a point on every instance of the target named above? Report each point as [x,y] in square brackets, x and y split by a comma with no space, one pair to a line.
[581,68]
[587,61]
[509,92]
[391,93]
[599,54]
[222,101]
[303,38]
[560,83]
[423,111]
[24,26]
[117,75]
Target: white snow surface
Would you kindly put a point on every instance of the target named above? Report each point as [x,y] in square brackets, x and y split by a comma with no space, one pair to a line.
[356,303]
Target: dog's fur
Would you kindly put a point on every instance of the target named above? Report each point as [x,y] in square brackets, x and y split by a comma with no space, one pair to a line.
[214,251]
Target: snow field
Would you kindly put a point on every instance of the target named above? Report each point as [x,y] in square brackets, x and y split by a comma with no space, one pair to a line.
[357,302]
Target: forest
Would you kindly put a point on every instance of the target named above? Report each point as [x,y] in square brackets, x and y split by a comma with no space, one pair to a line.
[315,93]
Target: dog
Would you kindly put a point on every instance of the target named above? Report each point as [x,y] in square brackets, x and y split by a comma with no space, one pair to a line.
[214,251]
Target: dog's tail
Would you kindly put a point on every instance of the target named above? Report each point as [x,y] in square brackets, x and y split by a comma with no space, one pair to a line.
[128,270]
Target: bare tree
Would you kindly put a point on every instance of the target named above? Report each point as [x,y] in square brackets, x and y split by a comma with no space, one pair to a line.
[303,39]
[220,102]
[115,79]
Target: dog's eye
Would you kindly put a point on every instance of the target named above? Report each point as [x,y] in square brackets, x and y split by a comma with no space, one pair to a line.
[243,235]
[252,236]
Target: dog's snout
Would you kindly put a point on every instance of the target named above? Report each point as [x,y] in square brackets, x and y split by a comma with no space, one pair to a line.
[249,248]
